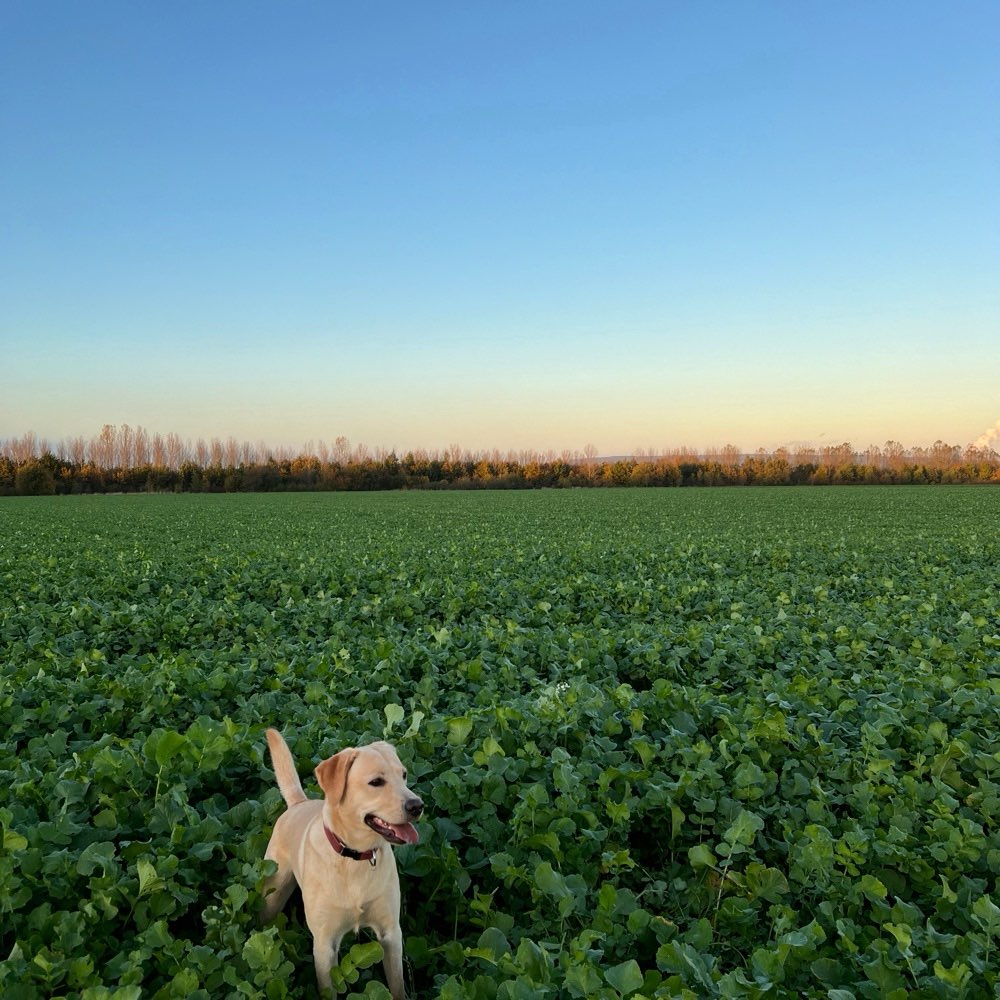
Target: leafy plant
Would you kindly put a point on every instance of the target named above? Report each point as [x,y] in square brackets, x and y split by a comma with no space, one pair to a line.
[674,744]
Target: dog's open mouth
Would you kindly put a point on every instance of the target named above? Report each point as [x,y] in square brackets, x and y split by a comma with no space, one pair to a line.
[395,833]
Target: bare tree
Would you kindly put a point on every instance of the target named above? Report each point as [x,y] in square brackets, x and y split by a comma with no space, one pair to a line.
[142,450]
[895,455]
[24,448]
[731,456]
[836,455]
[873,457]
[158,448]
[103,449]
[126,447]
[76,449]
[176,451]
[944,456]
[806,455]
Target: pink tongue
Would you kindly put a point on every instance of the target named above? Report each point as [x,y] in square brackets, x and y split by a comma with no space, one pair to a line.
[406,832]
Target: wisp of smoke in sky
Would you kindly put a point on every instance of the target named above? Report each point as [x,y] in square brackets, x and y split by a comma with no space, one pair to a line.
[990,438]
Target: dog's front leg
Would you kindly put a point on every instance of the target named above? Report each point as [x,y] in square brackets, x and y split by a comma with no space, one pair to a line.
[325,950]
[392,961]
[327,927]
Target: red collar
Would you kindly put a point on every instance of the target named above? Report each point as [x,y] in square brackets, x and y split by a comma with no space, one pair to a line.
[342,849]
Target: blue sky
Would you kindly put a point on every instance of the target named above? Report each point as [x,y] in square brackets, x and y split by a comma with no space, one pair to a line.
[502,225]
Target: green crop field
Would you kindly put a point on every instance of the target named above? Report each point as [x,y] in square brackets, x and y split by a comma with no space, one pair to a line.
[726,743]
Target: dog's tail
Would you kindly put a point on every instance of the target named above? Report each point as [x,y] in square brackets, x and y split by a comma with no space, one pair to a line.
[284,769]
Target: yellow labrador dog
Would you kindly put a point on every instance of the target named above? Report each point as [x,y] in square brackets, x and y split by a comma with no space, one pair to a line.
[336,849]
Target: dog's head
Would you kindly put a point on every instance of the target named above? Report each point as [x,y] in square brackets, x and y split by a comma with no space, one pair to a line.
[366,792]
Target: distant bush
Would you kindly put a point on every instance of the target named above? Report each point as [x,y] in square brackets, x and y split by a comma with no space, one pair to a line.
[34,479]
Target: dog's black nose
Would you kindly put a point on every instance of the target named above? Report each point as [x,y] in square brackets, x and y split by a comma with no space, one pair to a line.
[414,807]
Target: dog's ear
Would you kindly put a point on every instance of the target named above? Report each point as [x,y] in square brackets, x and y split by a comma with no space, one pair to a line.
[332,773]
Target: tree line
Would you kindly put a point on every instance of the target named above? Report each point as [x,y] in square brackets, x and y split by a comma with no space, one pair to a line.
[129,460]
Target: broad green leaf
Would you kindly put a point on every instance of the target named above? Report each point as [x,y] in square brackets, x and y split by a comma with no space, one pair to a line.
[886,977]
[947,894]
[743,830]
[676,822]
[13,841]
[767,966]
[680,958]
[166,745]
[551,882]
[97,855]
[149,881]
[459,730]
[902,934]
[157,935]
[765,883]
[365,954]
[534,960]
[701,856]
[394,715]
[829,971]
[262,951]
[414,727]
[237,895]
[957,976]
[583,980]
[104,993]
[626,978]
[493,943]
[987,914]
[873,888]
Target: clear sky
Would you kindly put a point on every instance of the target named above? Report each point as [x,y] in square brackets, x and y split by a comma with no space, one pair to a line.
[515,225]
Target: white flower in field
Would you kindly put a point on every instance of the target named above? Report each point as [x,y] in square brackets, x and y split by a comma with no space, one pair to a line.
[550,698]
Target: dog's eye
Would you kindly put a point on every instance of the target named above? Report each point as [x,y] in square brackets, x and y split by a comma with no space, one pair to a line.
[404,776]
[377,782]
